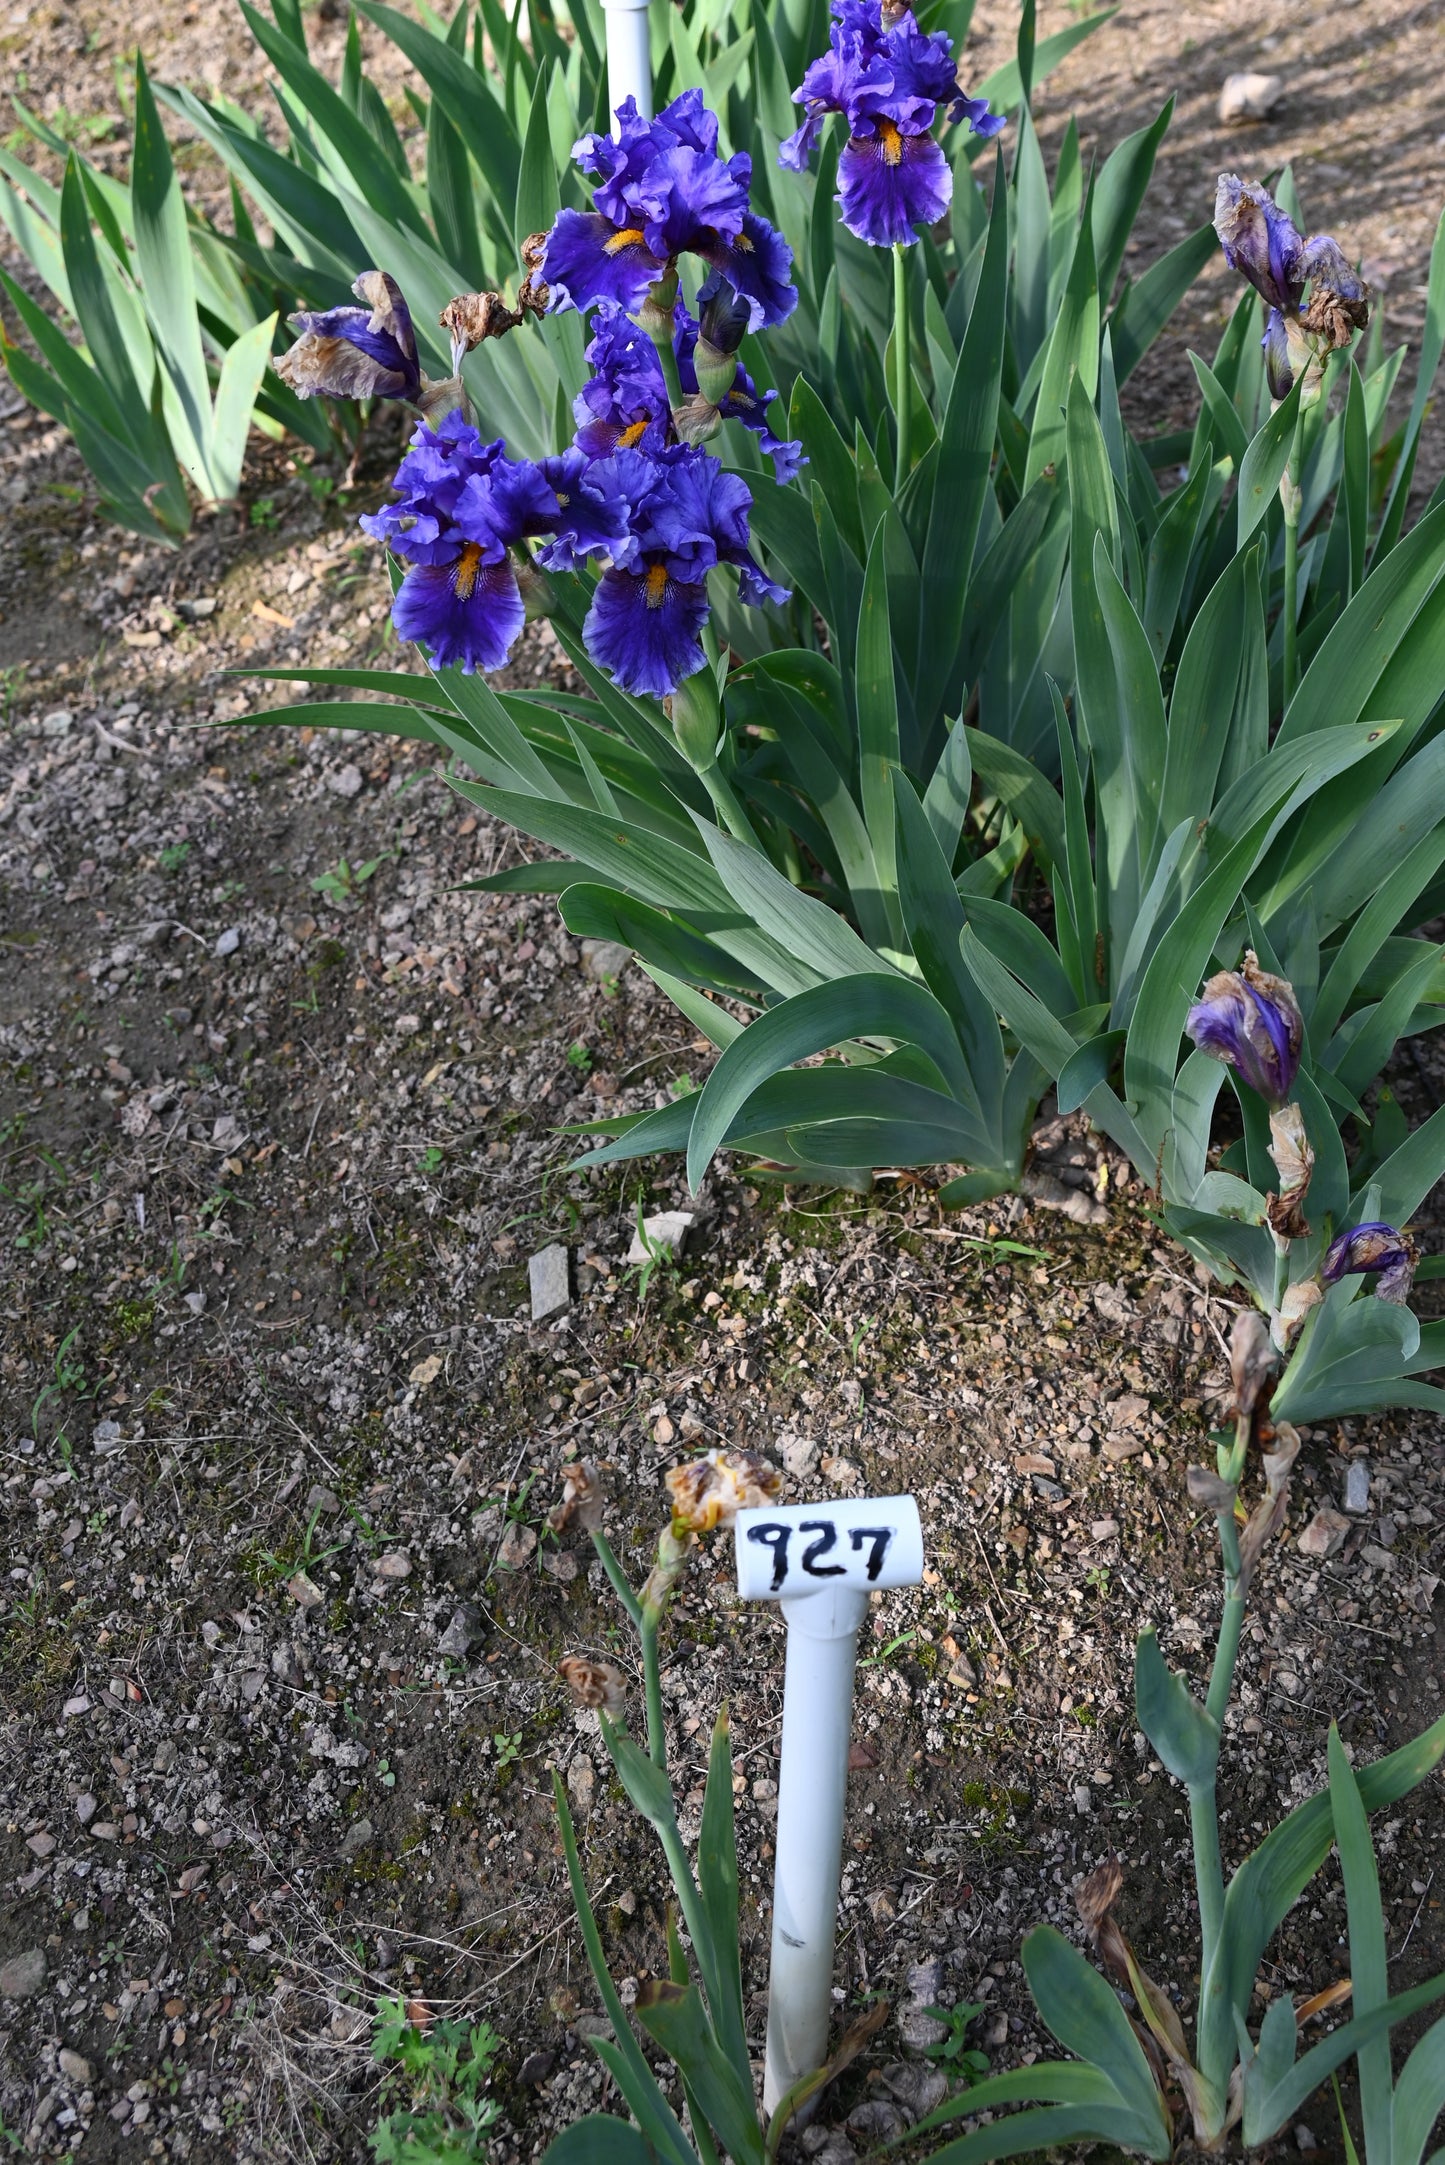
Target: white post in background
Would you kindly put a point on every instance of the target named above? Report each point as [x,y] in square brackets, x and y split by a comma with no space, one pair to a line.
[629,56]
[819,1562]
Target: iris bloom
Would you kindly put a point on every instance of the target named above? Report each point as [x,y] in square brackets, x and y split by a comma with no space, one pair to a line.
[1373,1248]
[711,1491]
[463,506]
[624,405]
[1261,242]
[1251,1021]
[888,78]
[367,352]
[662,191]
[685,517]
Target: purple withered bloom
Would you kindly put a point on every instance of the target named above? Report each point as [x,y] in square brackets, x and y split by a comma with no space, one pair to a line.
[367,352]
[685,518]
[1250,1020]
[1262,242]
[661,191]
[1373,1248]
[888,78]
[462,508]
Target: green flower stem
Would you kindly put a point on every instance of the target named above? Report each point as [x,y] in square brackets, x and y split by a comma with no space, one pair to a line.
[615,1573]
[652,1686]
[1290,497]
[1208,1871]
[726,805]
[667,360]
[903,379]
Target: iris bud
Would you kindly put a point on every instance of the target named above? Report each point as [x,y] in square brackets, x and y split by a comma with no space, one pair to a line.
[697,719]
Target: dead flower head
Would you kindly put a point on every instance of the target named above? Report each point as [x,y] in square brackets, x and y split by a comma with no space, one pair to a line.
[1251,1358]
[594,1683]
[1294,1159]
[583,1494]
[711,1491]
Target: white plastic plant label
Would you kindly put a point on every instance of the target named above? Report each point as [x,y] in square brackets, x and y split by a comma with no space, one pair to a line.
[800,1548]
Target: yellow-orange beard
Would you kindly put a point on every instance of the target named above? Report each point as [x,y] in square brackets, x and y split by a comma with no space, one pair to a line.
[629,237]
[464,578]
[892,143]
[632,434]
[656,585]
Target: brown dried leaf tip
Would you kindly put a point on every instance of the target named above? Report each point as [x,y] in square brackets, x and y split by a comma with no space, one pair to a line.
[711,1491]
[583,1495]
[594,1683]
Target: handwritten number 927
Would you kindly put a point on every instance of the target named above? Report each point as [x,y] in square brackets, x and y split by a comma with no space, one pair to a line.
[825,1533]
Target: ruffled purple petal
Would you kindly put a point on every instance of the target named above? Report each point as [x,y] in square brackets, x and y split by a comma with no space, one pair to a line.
[367,352]
[756,588]
[980,120]
[795,150]
[589,259]
[1373,1248]
[759,263]
[890,183]
[645,629]
[467,614]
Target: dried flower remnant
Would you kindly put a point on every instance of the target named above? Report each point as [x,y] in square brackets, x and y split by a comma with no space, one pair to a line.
[583,1495]
[711,1491]
[1268,1515]
[1251,1362]
[366,352]
[1375,1249]
[1262,243]
[1294,1160]
[1295,1304]
[595,1684]
[1250,1019]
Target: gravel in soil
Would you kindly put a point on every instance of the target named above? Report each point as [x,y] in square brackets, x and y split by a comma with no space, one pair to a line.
[279,1114]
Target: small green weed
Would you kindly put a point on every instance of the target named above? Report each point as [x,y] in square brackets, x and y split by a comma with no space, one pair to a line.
[954,2048]
[442,2068]
[345,883]
[432,1159]
[265,514]
[579,1057]
[506,1750]
[172,855]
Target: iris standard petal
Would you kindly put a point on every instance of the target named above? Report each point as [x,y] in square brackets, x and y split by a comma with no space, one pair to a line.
[759,263]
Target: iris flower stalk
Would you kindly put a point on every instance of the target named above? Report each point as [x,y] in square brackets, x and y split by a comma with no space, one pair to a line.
[1263,243]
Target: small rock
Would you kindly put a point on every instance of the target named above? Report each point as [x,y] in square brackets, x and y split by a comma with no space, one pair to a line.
[842,1472]
[1103,1529]
[581,1782]
[165,1757]
[285,1665]
[71,2064]
[1051,1194]
[228,942]
[963,1672]
[211,1633]
[916,2026]
[59,723]
[917,2089]
[875,2120]
[1381,1559]
[346,782]
[1083,1799]
[666,1228]
[396,1564]
[548,1276]
[462,1633]
[1305,2139]
[516,1546]
[304,1591]
[535,2069]
[349,2023]
[85,1809]
[602,959]
[800,1455]
[324,1501]
[1119,1448]
[40,1845]
[358,1834]
[1357,1486]
[106,1438]
[228,1133]
[1249,97]
[196,1302]
[23,1975]
[426,1371]
[1324,1535]
[407,1025]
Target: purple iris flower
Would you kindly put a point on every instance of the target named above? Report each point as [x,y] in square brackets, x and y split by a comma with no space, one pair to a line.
[367,352]
[624,405]
[685,517]
[1374,1247]
[888,78]
[462,507]
[1263,243]
[1251,1021]
[661,191]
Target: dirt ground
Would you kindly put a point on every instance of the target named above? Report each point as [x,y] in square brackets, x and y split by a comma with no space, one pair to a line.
[279,1114]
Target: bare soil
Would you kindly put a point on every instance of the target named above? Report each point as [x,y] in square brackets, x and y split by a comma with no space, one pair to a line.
[273,1159]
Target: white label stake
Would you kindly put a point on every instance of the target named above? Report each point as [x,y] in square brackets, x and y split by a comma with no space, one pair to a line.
[820,1562]
[629,56]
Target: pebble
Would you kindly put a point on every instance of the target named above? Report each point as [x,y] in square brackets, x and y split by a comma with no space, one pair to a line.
[1324,1535]
[407,1025]
[1357,1486]
[358,1834]
[667,1228]
[23,1975]
[1249,97]
[1083,1799]
[462,1633]
[548,1278]
[396,1564]
[800,1455]
[58,723]
[229,941]
[304,1591]
[85,1809]
[40,1845]
[1119,1448]
[346,782]
[71,2064]
[602,959]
